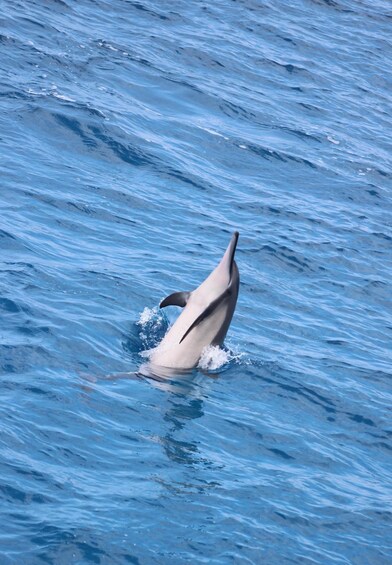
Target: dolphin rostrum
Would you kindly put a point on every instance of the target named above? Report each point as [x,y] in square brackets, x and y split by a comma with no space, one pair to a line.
[206,316]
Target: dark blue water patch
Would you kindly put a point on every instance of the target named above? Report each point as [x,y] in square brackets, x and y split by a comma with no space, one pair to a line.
[270,154]
[93,137]
[65,544]
[17,496]
[290,258]
[132,342]
[8,94]
[281,453]
[148,10]
[7,305]
[339,6]
[18,358]
[11,242]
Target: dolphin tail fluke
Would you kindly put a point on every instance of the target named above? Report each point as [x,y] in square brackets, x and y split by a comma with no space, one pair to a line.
[175,299]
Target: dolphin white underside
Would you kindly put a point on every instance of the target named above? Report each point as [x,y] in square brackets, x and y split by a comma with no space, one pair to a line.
[205,318]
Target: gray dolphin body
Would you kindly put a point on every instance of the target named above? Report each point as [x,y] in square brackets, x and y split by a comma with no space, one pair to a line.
[206,316]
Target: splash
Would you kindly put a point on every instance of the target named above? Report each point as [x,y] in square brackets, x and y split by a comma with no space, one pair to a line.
[214,358]
[153,326]
[146,316]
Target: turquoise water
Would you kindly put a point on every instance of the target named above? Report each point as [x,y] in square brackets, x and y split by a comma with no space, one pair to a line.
[135,138]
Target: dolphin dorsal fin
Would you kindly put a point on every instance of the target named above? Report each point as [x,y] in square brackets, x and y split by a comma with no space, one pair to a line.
[175,299]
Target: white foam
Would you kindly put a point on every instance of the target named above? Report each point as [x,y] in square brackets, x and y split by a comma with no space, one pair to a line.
[147,353]
[31,91]
[152,322]
[107,45]
[146,316]
[63,97]
[213,132]
[213,357]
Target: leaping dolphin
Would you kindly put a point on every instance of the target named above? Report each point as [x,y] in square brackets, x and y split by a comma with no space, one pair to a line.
[206,317]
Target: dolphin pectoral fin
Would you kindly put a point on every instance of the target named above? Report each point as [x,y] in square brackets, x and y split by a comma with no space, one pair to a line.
[208,311]
[175,299]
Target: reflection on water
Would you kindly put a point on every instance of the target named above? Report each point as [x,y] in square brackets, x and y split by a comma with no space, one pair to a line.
[184,403]
[177,415]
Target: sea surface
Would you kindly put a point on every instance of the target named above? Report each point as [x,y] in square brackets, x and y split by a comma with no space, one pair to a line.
[135,137]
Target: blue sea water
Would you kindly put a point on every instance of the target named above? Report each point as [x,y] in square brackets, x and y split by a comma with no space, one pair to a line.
[135,137]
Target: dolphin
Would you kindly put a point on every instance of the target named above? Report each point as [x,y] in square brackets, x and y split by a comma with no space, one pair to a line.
[206,316]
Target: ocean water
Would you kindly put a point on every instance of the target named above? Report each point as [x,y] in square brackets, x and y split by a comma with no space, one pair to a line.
[135,137]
